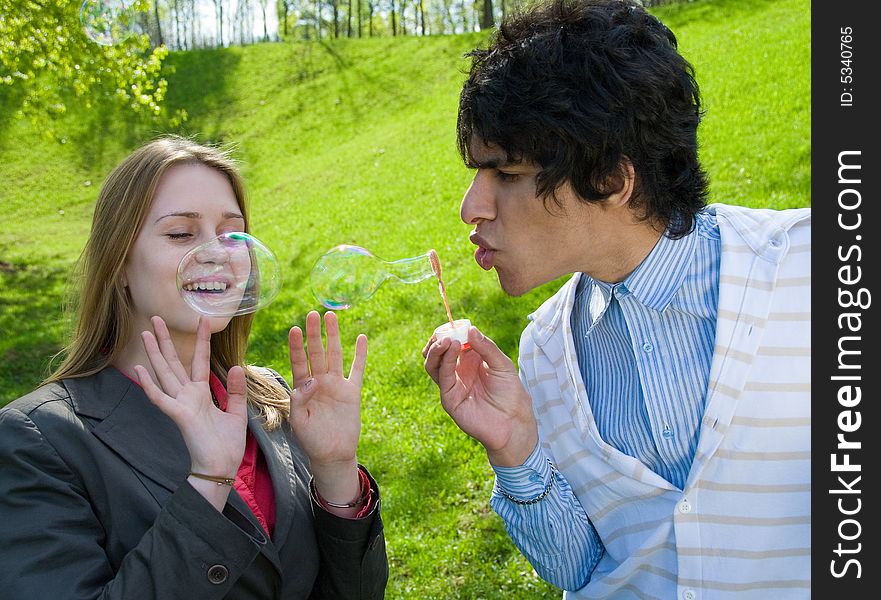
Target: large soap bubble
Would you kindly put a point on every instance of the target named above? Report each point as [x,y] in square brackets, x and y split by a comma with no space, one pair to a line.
[108,22]
[347,274]
[233,274]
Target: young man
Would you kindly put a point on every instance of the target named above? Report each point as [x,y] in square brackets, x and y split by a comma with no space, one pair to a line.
[656,443]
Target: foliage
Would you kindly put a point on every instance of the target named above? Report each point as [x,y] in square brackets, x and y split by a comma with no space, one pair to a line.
[47,61]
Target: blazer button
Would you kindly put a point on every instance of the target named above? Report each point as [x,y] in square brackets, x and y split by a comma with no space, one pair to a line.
[218,574]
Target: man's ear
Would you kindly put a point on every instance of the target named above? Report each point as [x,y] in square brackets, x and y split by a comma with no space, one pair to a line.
[621,184]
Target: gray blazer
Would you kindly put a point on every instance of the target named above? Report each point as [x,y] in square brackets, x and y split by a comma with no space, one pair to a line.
[94,503]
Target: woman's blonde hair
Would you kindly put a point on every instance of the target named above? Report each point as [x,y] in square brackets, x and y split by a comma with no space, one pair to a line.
[102,306]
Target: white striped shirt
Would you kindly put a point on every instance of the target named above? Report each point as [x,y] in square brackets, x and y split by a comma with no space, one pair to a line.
[739,520]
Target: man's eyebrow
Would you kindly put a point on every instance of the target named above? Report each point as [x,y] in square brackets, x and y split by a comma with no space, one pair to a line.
[492,163]
[195,215]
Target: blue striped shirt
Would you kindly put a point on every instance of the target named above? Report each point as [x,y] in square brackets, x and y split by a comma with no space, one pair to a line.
[644,349]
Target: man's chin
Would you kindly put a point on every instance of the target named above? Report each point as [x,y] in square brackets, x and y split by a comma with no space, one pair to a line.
[511,286]
[518,286]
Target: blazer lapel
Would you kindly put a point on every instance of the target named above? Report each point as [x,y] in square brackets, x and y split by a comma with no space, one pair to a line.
[151,442]
[132,426]
[277,454]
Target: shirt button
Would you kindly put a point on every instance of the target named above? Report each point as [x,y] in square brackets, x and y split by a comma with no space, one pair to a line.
[684,507]
[218,574]
[647,347]
[667,434]
[536,478]
[689,595]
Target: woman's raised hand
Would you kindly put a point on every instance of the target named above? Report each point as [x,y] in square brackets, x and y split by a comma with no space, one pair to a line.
[215,439]
[326,404]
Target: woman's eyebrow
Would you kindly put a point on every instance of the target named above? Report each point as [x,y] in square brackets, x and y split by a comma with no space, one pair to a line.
[189,215]
[195,215]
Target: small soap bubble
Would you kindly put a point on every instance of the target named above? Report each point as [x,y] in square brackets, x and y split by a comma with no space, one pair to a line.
[233,274]
[109,22]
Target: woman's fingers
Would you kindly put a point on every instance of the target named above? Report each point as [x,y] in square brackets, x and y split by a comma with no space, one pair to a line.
[237,392]
[301,395]
[167,378]
[201,366]
[299,364]
[314,347]
[359,362]
[166,346]
[153,391]
[334,346]
[313,360]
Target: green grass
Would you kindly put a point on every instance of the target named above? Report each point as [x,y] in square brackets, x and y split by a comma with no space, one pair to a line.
[354,142]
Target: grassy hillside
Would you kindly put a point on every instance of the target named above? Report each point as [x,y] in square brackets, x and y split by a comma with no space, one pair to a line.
[354,142]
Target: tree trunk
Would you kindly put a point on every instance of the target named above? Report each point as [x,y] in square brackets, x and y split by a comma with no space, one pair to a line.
[176,8]
[158,24]
[394,21]
[219,5]
[317,20]
[402,17]
[489,20]
[448,16]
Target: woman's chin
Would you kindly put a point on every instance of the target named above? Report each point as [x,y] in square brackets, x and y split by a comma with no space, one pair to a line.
[218,324]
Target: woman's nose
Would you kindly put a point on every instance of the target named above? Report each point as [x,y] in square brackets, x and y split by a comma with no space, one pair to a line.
[214,252]
[478,204]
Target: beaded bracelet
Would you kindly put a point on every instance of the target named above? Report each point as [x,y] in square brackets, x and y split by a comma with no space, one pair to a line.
[541,496]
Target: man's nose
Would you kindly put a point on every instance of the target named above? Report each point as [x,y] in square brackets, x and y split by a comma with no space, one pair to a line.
[478,204]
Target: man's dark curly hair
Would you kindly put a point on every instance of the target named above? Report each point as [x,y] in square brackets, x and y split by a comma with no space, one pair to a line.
[577,87]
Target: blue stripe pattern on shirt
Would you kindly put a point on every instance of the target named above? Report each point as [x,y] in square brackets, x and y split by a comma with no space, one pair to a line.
[644,348]
[542,529]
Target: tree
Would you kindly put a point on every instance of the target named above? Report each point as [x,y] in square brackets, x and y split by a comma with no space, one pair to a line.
[264,6]
[218,13]
[394,21]
[282,8]
[487,20]
[47,61]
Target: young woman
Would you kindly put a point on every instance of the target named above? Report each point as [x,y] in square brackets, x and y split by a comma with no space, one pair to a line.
[153,463]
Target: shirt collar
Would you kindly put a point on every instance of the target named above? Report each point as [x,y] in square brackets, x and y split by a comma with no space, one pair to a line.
[659,276]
